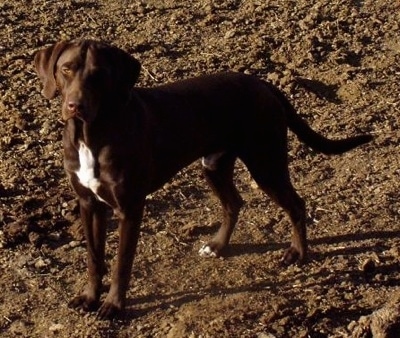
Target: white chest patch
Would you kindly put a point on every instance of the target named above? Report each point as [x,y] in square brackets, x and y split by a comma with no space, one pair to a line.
[86,170]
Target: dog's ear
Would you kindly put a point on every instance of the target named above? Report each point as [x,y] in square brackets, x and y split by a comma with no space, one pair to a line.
[127,67]
[45,63]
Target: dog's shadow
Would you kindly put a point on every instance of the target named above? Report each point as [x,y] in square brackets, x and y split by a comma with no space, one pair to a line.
[238,249]
[166,301]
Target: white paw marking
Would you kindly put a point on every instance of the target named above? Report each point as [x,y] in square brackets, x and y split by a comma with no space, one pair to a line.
[210,162]
[205,251]
[86,171]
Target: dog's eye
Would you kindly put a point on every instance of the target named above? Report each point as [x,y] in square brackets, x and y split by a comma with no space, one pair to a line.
[66,70]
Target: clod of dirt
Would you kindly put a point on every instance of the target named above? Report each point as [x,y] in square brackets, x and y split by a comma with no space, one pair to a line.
[382,323]
[15,232]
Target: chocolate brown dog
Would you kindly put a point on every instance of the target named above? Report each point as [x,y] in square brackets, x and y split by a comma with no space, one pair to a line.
[122,143]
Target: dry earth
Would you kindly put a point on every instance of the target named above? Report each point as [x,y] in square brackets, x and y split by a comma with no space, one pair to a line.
[339,61]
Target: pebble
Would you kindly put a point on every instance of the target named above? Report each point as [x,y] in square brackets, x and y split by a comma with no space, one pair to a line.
[74,244]
[41,263]
[35,238]
[230,34]
[54,236]
[368,266]
[56,328]
[265,335]
[21,261]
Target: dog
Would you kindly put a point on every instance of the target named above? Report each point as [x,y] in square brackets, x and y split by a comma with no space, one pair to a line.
[122,143]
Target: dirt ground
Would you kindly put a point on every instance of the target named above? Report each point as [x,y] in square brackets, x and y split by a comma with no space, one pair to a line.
[339,62]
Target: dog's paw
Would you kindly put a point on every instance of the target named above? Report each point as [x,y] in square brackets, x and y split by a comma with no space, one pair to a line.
[109,311]
[85,303]
[292,255]
[207,251]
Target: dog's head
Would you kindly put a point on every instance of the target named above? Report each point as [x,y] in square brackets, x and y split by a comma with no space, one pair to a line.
[88,74]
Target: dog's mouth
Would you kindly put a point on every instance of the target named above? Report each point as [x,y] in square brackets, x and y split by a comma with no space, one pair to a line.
[76,113]
[67,115]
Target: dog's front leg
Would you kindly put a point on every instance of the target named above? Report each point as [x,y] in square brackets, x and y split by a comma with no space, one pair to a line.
[93,215]
[129,229]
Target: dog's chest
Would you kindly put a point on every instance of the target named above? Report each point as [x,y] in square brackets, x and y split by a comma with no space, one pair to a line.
[86,171]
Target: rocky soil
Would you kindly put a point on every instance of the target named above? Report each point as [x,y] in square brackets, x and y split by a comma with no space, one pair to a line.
[339,62]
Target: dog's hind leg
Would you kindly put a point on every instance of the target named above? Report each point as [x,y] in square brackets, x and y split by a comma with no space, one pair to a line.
[272,177]
[218,171]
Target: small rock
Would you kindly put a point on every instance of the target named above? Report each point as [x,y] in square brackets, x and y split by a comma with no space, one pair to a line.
[35,239]
[265,335]
[230,34]
[56,328]
[21,124]
[54,236]
[21,261]
[368,266]
[273,77]
[15,232]
[74,244]
[42,263]
[395,252]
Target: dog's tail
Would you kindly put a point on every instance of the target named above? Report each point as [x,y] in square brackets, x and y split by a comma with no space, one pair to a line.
[313,139]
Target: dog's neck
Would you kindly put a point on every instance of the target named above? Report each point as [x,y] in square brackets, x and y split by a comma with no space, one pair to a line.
[80,131]
[97,133]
